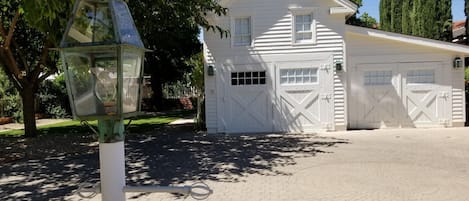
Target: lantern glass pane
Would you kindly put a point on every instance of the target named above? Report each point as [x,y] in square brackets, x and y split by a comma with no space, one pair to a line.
[132,66]
[126,28]
[92,23]
[92,78]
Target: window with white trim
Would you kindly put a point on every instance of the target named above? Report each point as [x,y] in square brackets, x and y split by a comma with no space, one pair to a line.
[303,28]
[299,76]
[242,31]
[248,78]
[378,78]
[421,77]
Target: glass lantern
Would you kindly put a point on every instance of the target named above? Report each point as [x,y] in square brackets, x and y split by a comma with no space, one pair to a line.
[103,59]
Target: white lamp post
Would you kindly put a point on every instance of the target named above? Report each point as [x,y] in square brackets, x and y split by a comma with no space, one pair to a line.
[103,55]
[103,59]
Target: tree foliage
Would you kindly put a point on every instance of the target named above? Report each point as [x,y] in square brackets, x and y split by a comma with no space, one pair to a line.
[28,29]
[466,12]
[368,21]
[364,20]
[170,29]
[425,18]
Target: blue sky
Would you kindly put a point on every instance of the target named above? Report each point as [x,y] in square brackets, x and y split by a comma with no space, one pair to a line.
[372,8]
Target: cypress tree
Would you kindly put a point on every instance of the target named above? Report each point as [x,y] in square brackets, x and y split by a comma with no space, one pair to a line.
[416,18]
[429,17]
[444,20]
[396,16]
[466,11]
[385,14]
[407,14]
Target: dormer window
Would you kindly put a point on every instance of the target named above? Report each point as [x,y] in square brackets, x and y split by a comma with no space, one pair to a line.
[303,26]
[242,31]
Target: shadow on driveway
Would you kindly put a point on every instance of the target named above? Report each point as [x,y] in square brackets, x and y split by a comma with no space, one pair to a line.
[172,155]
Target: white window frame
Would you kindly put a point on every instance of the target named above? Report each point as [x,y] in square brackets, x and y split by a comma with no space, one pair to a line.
[233,31]
[314,74]
[377,78]
[421,79]
[303,11]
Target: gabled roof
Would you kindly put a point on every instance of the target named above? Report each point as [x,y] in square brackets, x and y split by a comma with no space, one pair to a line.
[348,5]
[408,39]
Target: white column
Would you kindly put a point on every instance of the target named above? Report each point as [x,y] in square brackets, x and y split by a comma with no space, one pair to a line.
[112,169]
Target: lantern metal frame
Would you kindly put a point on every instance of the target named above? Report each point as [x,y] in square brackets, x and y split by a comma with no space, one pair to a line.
[125,38]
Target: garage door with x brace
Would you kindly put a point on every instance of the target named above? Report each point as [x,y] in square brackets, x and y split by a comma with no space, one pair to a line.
[248,100]
[304,96]
[398,95]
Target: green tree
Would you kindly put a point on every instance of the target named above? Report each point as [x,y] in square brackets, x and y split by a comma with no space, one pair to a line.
[407,16]
[197,80]
[368,21]
[466,12]
[425,18]
[396,16]
[9,98]
[444,20]
[28,29]
[354,20]
[385,15]
[171,29]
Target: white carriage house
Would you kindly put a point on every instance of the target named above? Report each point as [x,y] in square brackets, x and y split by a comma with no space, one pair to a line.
[295,66]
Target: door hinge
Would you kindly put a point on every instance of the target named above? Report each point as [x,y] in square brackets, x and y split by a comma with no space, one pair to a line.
[326,96]
[325,67]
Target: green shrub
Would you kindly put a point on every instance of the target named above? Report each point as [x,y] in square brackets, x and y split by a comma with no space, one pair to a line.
[53,99]
[10,101]
[466,74]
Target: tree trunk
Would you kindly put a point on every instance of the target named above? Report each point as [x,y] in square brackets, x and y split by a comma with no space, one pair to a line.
[29,119]
[157,88]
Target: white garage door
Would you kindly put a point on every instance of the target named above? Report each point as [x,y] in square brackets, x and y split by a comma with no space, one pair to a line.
[398,95]
[304,96]
[248,100]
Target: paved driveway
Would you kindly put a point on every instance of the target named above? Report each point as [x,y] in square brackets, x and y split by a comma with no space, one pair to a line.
[405,164]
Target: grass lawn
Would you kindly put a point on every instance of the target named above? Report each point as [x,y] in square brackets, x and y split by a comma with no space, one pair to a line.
[146,123]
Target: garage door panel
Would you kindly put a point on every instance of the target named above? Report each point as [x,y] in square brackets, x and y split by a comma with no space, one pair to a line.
[303,92]
[375,97]
[422,84]
[300,110]
[412,97]
[248,99]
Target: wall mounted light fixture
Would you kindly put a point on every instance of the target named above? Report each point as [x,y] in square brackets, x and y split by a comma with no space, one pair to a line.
[339,65]
[457,63]
[211,70]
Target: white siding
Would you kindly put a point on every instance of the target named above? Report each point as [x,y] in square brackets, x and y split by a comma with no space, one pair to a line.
[272,29]
[210,94]
[273,42]
[459,100]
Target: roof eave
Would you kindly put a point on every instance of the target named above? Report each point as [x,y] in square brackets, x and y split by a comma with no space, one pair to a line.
[350,7]
[408,39]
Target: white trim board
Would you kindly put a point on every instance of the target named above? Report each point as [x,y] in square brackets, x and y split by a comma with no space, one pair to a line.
[353,8]
[407,39]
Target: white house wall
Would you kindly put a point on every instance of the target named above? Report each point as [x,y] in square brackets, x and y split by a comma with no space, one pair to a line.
[365,50]
[210,93]
[272,42]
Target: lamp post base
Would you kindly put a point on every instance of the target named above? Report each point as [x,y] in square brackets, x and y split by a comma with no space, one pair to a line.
[112,171]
